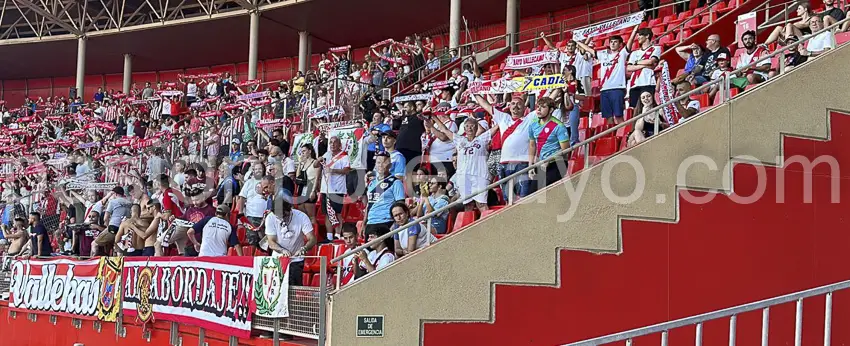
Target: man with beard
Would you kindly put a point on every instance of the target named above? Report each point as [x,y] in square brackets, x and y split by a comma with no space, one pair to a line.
[286,229]
[750,54]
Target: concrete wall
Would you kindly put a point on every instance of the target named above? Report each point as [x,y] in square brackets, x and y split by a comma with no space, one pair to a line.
[454,279]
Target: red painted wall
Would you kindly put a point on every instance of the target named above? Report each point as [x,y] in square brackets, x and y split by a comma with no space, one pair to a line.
[718,255]
[20,331]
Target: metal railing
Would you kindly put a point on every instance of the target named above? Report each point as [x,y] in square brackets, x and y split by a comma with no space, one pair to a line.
[732,313]
[723,84]
[307,309]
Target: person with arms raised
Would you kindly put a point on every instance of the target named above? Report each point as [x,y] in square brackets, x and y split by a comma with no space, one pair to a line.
[472,173]
[613,76]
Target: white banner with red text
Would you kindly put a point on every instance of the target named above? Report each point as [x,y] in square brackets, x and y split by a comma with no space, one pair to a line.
[84,289]
[517,84]
[523,61]
[609,26]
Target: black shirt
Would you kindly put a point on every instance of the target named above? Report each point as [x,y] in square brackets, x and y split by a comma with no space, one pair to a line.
[45,248]
[709,61]
[410,132]
[835,13]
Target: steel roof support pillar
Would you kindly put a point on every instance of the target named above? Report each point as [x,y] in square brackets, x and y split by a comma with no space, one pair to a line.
[81,65]
[303,51]
[128,74]
[454,24]
[512,25]
[253,43]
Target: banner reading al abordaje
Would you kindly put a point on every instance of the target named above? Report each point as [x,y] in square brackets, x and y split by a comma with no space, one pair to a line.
[271,286]
[609,26]
[215,293]
[518,84]
[522,61]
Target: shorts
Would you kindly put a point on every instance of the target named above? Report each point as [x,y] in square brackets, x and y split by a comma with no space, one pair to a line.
[634,94]
[332,207]
[375,227]
[613,103]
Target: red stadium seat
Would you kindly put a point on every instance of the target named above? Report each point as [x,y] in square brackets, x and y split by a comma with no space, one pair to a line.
[315,281]
[463,219]
[326,251]
[575,165]
[583,123]
[605,147]
[306,277]
[842,38]
[695,24]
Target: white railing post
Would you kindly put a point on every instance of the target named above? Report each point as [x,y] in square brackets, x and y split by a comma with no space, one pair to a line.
[733,331]
[765,325]
[511,196]
[698,341]
[798,324]
[664,340]
[827,321]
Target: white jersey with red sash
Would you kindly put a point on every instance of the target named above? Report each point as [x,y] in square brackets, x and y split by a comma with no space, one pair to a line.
[613,68]
[645,76]
[745,59]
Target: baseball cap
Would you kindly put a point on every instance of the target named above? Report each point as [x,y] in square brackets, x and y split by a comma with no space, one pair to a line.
[390,133]
[236,140]
[722,56]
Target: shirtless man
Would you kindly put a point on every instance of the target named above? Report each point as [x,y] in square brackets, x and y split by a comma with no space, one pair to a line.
[152,215]
[138,219]
[18,237]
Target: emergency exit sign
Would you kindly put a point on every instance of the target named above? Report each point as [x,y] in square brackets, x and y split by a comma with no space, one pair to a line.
[370,326]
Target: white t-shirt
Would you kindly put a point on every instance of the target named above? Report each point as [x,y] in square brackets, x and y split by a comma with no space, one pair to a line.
[334,183]
[211,89]
[214,237]
[472,155]
[692,104]
[383,258]
[821,42]
[291,237]
[191,89]
[616,61]
[255,204]
[583,67]
[515,147]
[443,151]
[645,76]
[288,165]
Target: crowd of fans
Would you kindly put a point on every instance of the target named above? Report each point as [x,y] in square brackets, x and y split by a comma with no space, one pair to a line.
[207,163]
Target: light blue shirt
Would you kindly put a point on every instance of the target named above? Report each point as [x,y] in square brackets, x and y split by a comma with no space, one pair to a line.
[382,193]
[553,140]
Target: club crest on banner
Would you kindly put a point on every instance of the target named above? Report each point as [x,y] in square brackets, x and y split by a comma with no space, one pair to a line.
[109,274]
[144,307]
[271,286]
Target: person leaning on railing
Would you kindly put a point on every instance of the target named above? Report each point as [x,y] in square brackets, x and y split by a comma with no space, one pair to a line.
[285,230]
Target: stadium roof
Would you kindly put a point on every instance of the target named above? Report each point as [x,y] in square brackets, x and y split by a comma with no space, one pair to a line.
[38,38]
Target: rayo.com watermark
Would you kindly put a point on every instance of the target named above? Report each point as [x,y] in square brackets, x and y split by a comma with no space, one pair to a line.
[623,180]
